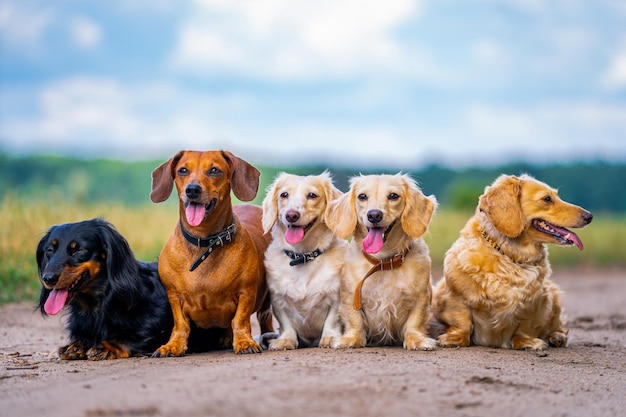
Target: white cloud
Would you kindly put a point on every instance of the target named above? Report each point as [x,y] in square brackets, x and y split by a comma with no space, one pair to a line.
[614,77]
[103,117]
[146,6]
[292,39]
[85,32]
[543,132]
[75,112]
[492,62]
[22,25]
[539,7]
[567,49]
[494,125]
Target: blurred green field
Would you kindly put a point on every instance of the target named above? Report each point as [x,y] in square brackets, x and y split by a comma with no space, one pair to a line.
[23,222]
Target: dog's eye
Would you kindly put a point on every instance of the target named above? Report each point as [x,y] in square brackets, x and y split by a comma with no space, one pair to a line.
[362,197]
[547,199]
[393,196]
[183,172]
[311,196]
[284,194]
[214,172]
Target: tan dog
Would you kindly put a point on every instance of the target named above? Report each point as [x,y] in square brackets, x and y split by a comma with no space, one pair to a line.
[212,265]
[496,290]
[387,215]
[304,261]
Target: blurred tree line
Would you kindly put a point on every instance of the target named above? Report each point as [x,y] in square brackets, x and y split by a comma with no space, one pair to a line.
[597,186]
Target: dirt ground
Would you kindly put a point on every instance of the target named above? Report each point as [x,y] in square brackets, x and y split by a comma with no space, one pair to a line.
[587,378]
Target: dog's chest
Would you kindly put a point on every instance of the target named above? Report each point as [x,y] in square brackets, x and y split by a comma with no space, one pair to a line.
[513,288]
[306,297]
[312,281]
[387,301]
[389,290]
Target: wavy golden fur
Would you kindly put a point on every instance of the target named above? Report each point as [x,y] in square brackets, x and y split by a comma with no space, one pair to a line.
[495,290]
[395,303]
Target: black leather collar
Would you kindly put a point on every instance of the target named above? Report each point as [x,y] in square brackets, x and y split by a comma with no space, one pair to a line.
[210,242]
[302,258]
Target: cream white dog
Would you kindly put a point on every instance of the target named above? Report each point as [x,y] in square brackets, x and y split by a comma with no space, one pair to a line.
[387,216]
[304,261]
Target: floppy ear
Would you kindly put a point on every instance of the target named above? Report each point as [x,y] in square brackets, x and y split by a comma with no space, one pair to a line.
[43,295]
[163,179]
[501,203]
[418,210]
[270,206]
[39,253]
[120,261]
[331,193]
[245,177]
[341,215]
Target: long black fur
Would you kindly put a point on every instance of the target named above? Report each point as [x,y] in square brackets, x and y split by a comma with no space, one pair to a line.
[125,304]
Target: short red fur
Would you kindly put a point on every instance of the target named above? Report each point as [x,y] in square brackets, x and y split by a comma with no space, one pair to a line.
[229,286]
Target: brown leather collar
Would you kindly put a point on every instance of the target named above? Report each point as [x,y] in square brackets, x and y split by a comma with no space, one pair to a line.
[379,265]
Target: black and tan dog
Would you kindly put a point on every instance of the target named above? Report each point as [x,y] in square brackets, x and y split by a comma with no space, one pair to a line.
[117,305]
[212,265]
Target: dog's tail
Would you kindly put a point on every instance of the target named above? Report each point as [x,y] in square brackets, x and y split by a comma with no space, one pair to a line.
[265,339]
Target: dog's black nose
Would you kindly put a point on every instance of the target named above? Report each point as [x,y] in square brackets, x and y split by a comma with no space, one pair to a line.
[50,279]
[375,216]
[193,191]
[587,217]
[292,216]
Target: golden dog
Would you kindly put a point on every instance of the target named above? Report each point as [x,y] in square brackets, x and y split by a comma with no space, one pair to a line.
[212,265]
[387,215]
[495,290]
[304,261]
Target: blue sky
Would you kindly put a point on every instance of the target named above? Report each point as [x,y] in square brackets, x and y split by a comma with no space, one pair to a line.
[399,83]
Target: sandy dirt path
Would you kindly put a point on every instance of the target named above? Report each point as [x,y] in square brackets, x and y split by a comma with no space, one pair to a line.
[587,378]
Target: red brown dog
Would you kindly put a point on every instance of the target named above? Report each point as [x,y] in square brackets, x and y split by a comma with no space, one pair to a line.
[212,265]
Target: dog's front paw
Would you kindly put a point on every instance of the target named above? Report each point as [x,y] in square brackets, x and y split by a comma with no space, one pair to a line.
[327,342]
[557,339]
[106,351]
[418,342]
[528,343]
[453,339]
[170,349]
[283,344]
[246,346]
[350,342]
[73,351]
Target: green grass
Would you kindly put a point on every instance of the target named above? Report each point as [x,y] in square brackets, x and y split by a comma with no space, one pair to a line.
[23,222]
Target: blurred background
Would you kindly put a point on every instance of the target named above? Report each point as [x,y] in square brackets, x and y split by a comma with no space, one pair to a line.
[399,83]
[95,94]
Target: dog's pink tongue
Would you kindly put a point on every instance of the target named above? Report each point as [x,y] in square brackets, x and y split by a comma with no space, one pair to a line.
[574,238]
[294,234]
[56,301]
[194,213]
[373,242]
